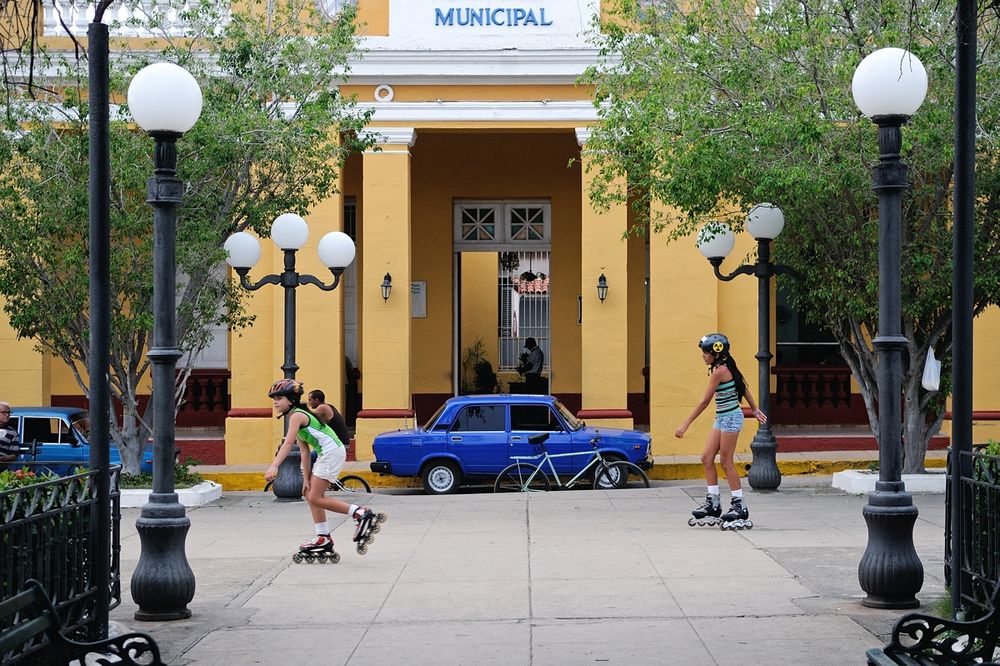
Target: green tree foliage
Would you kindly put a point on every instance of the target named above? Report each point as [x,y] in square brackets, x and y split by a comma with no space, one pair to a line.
[714,106]
[273,134]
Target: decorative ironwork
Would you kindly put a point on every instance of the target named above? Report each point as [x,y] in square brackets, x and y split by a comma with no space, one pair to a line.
[980,555]
[46,535]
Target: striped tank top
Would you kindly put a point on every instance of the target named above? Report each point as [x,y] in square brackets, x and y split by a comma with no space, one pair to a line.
[725,398]
[319,436]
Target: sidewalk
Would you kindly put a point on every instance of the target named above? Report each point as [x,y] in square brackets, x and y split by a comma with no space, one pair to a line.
[570,577]
[665,468]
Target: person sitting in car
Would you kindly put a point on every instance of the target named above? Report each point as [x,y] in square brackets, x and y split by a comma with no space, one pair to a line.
[10,447]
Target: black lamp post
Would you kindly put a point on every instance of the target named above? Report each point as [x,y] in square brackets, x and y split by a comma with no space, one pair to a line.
[99,195]
[715,241]
[889,86]
[336,250]
[166,101]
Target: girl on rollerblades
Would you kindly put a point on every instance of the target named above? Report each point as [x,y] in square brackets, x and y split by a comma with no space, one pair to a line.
[312,434]
[726,384]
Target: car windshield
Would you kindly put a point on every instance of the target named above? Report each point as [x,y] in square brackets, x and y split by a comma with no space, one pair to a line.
[433,419]
[81,424]
[571,421]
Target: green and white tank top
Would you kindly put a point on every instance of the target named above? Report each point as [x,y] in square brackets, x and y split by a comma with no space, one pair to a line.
[725,398]
[319,436]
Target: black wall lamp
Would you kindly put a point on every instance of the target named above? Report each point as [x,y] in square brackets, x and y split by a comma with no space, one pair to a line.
[386,287]
[602,287]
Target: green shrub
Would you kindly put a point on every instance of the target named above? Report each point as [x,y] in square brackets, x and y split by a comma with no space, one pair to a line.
[183,477]
[19,478]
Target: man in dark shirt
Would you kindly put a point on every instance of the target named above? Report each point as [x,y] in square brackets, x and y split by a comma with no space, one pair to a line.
[536,362]
[9,446]
[328,414]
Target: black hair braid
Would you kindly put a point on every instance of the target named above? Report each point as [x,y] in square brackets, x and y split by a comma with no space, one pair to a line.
[730,363]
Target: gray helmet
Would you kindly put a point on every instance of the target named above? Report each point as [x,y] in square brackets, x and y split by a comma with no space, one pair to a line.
[716,343]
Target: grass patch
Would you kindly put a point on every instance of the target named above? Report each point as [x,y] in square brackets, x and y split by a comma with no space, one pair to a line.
[183,477]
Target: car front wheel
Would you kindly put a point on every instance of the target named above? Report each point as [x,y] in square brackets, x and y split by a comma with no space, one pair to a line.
[441,478]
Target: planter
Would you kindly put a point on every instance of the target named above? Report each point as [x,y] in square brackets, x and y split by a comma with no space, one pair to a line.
[856,481]
[204,493]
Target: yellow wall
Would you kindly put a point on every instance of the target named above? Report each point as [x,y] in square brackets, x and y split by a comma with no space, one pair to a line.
[26,377]
[479,309]
[985,379]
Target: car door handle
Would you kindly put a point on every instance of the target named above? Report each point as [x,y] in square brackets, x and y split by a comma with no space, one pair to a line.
[456,438]
[515,438]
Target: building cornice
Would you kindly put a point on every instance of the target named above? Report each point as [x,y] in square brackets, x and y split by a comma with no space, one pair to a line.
[581,111]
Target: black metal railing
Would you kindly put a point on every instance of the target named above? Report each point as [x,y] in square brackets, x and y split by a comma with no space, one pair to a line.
[980,511]
[45,534]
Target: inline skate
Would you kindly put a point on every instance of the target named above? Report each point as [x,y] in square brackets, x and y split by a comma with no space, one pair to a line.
[319,550]
[708,514]
[368,523]
[738,516]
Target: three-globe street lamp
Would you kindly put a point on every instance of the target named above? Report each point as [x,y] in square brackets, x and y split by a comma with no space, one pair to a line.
[165,101]
[715,240]
[889,86]
[336,250]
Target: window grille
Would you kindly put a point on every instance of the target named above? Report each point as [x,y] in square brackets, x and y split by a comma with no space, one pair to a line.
[523,284]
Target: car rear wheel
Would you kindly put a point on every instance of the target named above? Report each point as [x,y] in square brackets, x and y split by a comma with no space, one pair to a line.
[618,474]
[441,478]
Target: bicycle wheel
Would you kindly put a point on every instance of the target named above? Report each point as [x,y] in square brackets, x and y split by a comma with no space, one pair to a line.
[616,475]
[514,478]
[351,484]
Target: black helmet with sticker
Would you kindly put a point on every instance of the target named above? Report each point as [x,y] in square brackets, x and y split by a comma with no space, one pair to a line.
[716,343]
[287,387]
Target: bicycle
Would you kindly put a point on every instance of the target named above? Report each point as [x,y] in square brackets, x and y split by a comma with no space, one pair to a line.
[345,484]
[523,476]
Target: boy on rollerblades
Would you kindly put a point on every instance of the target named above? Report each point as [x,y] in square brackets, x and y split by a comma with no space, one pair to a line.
[312,434]
[726,383]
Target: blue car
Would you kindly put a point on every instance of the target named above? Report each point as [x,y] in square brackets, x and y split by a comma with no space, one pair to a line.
[471,438]
[56,438]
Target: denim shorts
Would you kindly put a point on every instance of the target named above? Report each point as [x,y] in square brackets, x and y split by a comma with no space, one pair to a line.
[730,421]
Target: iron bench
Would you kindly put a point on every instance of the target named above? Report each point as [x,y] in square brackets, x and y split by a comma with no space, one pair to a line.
[30,615]
[925,640]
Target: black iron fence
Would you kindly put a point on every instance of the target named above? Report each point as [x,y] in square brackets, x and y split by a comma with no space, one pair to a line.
[980,511]
[45,534]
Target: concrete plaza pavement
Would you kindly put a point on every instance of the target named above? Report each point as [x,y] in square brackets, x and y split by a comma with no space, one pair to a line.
[567,577]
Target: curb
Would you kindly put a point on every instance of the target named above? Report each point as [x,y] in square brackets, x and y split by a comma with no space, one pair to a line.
[203,493]
[233,481]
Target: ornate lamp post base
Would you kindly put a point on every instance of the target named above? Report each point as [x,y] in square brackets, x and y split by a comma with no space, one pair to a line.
[764,473]
[890,571]
[163,583]
[287,485]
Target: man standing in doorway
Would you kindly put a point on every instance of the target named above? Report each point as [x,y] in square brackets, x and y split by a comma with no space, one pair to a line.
[536,361]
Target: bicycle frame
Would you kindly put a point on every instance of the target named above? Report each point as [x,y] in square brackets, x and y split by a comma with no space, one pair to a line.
[546,457]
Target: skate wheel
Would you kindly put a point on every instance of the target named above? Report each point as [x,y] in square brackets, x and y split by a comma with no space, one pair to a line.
[322,559]
[749,524]
[381,517]
[297,558]
[376,528]
[692,522]
[362,549]
[369,539]
[310,558]
[334,558]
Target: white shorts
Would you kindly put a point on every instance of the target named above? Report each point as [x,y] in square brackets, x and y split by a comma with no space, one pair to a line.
[329,464]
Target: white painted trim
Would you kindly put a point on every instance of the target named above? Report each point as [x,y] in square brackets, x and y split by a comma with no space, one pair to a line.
[542,111]
[488,67]
[583,135]
[394,136]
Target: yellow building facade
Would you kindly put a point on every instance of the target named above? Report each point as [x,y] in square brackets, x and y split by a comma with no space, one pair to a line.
[475,208]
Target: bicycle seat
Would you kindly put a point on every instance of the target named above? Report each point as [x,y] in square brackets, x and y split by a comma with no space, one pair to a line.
[539,439]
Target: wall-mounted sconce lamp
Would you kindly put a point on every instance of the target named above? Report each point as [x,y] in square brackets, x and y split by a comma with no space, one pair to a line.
[386,287]
[602,287]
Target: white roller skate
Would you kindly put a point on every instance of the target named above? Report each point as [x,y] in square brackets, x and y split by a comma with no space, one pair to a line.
[319,550]
[708,514]
[738,516]
[368,523]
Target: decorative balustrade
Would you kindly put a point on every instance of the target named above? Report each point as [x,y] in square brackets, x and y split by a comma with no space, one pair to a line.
[206,399]
[129,19]
[815,394]
[45,534]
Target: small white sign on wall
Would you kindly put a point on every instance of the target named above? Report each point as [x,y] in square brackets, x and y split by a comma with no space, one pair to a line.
[418,299]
